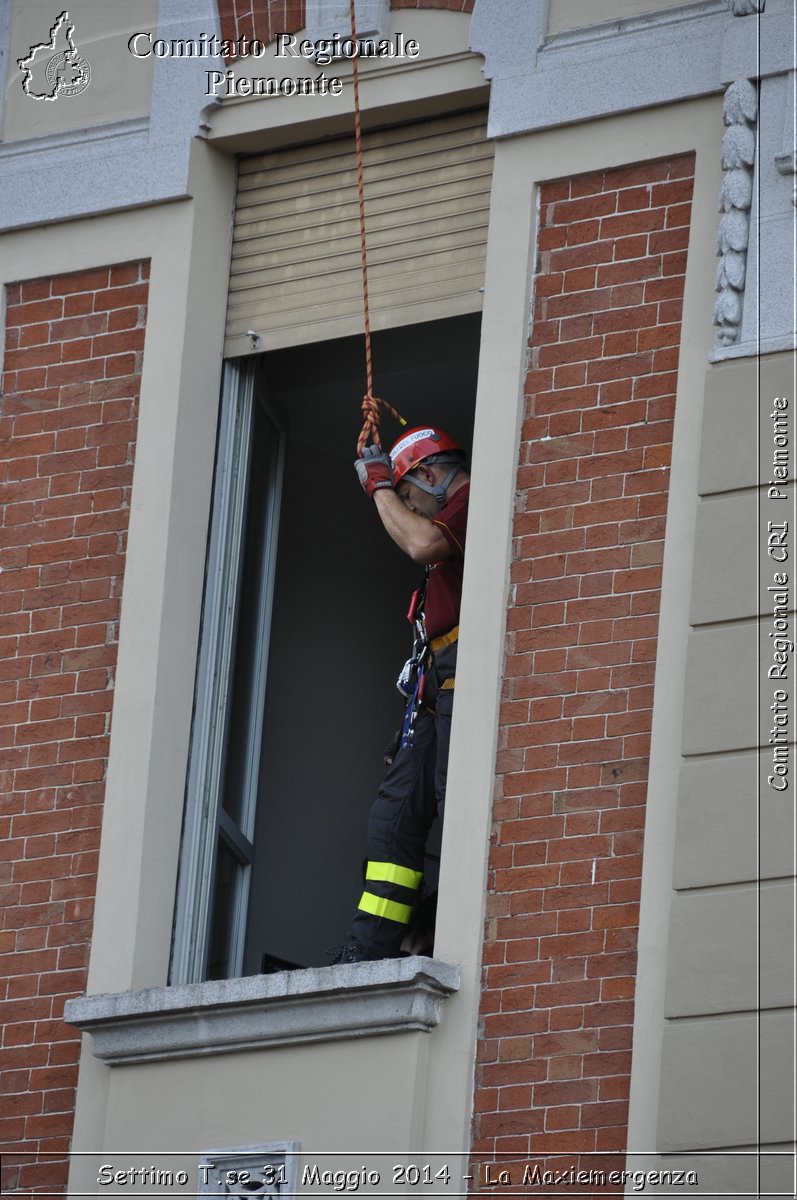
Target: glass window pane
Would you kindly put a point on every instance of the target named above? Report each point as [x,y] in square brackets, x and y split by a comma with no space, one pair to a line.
[228,880]
[248,676]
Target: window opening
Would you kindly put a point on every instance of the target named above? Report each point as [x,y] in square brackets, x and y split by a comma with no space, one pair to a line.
[303,635]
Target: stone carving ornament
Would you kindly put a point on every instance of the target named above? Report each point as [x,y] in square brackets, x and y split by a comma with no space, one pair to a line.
[736,195]
[745,8]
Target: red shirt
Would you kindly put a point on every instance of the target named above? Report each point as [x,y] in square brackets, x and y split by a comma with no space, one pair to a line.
[444,584]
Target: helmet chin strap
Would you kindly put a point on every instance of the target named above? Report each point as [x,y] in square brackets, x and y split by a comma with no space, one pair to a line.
[438,490]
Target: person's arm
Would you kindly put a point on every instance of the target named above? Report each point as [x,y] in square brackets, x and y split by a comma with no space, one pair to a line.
[417,536]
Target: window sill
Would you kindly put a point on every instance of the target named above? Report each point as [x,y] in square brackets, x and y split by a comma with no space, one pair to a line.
[259,1011]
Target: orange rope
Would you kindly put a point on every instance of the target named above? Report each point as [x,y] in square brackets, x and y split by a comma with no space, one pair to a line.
[370,404]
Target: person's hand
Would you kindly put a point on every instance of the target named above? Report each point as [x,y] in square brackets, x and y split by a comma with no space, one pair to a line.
[374,470]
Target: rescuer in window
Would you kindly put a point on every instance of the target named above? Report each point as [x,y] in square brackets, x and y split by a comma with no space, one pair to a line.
[421,494]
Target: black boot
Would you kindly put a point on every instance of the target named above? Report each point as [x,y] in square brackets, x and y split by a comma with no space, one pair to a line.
[350,952]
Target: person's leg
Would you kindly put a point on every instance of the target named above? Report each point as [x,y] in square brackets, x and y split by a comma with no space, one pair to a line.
[424,918]
[397,830]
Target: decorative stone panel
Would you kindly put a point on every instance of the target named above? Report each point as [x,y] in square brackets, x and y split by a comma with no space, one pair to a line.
[267,1171]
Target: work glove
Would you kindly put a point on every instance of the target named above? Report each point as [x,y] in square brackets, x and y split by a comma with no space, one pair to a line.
[374,470]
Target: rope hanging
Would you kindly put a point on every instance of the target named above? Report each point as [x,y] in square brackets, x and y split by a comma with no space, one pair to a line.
[371,403]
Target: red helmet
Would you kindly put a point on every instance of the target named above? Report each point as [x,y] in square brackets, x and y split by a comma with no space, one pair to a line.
[420,443]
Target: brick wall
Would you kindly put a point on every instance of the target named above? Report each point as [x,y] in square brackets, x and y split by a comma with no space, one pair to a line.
[68,422]
[262,19]
[267,18]
[569,809]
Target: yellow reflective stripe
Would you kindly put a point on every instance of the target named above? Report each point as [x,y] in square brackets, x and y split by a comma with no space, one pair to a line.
[378,906]
[385,872]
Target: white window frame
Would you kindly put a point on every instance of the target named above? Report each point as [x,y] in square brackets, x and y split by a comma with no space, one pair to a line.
[206,821]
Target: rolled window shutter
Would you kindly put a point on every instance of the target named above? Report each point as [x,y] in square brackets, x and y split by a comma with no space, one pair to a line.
[295,274]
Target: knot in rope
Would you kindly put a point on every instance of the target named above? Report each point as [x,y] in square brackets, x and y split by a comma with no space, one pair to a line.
[370,429]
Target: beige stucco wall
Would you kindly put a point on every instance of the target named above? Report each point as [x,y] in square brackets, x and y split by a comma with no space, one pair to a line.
[326,1097]
[731,942]
[120,86]
[724,970]
[575,14]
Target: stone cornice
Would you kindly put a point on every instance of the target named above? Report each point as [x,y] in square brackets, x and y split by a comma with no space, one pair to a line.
[618,66]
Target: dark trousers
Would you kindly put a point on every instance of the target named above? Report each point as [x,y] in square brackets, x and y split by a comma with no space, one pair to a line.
[410,797]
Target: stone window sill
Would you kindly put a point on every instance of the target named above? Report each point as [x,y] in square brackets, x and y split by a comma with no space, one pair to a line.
[260,1011]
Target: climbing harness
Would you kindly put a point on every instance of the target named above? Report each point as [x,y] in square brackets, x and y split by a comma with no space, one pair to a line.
[412,680]
[370,403]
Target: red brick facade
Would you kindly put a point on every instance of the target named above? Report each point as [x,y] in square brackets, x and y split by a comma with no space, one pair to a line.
[560,952]
[263,20]
[70,391]
[266,19]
